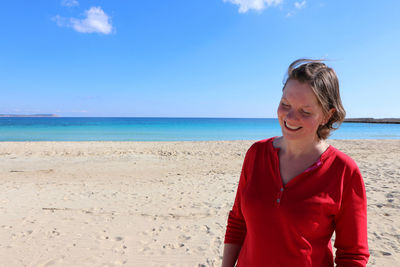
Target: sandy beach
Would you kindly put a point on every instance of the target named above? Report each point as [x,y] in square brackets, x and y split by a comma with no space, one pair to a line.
[153,203]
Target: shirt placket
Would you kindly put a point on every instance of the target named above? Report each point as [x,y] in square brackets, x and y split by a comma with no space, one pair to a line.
[279,195]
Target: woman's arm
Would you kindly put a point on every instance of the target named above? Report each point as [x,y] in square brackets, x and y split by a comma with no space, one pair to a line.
[351,224]
[231,252]
[236,226]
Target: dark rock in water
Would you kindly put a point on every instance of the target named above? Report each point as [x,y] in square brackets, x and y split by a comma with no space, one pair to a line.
[372,120]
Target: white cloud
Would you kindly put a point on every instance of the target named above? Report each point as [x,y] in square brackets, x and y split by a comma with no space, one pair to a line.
[69,3]
[246,5]
[95,21]
[300,5]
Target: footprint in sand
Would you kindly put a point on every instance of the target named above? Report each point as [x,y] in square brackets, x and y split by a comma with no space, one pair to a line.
[184,237]
[385,253]
[217,243]
[118,238]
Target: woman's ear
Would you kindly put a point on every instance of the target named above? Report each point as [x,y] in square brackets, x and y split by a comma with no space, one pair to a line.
[328,115]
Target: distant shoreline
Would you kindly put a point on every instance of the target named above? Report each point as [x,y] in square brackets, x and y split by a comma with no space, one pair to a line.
[28,116]
[372,120]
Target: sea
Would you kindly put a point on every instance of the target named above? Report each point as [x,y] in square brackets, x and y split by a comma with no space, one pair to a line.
[167,129]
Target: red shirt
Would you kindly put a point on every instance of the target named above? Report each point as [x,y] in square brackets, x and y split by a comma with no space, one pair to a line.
[292,225]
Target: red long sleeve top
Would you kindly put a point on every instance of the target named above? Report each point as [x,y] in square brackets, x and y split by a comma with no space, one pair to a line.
[292,225]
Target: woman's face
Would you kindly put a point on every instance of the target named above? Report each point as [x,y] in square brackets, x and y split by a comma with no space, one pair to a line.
[299,112]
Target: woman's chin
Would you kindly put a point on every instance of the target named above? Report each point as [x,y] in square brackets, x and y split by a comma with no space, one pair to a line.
[292,134]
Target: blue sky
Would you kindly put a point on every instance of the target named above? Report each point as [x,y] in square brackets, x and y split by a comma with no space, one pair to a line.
[197,58]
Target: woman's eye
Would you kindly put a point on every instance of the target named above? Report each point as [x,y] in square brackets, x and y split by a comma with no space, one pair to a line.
[306,112]
[285,105]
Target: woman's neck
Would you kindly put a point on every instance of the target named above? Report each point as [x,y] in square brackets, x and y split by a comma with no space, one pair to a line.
[295,149]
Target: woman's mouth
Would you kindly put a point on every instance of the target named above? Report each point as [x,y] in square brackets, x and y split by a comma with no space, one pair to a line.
[292,127]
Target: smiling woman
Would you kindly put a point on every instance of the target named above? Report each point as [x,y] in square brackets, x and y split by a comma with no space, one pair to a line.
[296,190]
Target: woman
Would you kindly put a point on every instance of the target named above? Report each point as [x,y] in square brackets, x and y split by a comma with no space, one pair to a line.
[296,190]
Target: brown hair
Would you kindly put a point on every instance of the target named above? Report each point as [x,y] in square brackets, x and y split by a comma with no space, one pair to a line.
[325,85]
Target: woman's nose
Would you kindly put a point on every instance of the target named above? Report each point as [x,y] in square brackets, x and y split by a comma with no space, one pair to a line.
[291,115]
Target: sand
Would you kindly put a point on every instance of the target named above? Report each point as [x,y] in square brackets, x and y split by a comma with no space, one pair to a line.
[153,203]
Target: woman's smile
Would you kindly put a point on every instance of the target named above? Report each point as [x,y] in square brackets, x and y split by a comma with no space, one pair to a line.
[291,127]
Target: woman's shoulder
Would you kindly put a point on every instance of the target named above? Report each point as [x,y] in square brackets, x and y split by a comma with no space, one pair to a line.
[260,149]
[263,144]
[339,157]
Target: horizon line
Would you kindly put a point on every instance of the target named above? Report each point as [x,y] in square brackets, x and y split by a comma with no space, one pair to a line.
[167,117]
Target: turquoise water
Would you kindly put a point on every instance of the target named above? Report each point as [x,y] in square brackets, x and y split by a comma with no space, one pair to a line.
[167,129]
